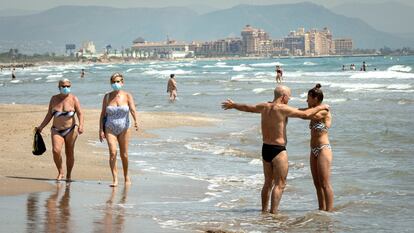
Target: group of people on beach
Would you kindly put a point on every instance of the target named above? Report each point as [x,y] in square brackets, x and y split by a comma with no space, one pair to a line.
[114,126]
[274,118]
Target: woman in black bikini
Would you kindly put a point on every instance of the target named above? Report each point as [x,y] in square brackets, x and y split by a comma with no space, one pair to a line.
[321,153]
[62,108]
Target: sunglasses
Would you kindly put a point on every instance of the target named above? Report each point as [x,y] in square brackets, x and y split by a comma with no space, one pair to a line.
[65,86]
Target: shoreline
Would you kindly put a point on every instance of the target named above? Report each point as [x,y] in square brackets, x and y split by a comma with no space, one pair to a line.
[134,61]
[21,172]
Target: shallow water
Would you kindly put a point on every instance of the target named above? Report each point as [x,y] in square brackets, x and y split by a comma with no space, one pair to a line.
[372,137]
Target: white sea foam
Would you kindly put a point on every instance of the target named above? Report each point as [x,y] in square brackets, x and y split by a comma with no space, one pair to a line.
[308,63]
[337,100]
[130,69]
[54,76]
[242,67]
[243,78]
[382,75]
[213,149]
[264,74]
[36,79]
[16,81]
[271,64]
[112,66]
[197,93]
[166,72]
[256,162]
[400,68]
[261,90]
[357,86]
[399,86]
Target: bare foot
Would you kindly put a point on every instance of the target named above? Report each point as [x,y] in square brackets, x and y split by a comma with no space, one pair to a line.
[59,177]
[127,181]
[114,184]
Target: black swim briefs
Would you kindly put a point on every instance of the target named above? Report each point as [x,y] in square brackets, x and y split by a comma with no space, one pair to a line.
[269,152]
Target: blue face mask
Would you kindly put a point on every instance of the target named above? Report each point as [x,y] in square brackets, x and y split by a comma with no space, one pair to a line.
[116,86]
[64,90]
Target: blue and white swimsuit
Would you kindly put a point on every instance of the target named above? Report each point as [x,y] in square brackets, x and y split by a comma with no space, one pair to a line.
[117,119]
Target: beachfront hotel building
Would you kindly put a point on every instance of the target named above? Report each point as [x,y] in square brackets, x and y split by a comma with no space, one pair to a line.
[311,43]
[255,42]
[168,49]
[343,46]
[222,47]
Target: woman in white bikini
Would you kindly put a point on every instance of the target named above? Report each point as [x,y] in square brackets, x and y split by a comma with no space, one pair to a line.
[321,153]
[62,108]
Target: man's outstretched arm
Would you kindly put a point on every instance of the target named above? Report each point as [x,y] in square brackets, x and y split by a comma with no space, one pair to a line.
[229,104]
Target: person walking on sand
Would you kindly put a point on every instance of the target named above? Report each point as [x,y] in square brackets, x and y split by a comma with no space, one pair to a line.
[321,152]
[172,87]
[114,125]
[274,117]
[279,74]
[62,108]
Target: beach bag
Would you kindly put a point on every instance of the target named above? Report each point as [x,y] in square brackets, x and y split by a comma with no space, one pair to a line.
[39,146]
[105,118]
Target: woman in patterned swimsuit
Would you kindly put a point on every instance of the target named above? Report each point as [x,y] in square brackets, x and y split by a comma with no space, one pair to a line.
[114,125]
[321,153]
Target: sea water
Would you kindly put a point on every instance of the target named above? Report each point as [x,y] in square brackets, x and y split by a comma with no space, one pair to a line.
[372,137]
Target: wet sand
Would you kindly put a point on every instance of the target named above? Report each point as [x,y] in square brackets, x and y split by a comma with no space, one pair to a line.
[22,172]
[35,202]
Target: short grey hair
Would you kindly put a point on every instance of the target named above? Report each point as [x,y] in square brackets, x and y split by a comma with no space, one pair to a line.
[64,81]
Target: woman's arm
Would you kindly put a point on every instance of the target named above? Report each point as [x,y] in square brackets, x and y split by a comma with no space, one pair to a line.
[103,111]
[48,117]
[79,113]
[133,111]
[304,113]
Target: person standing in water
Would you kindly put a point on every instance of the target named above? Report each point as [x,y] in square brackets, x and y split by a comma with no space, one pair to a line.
[172,87]
[82,75]
[279,74]
[321,152]
[274,117]
[13,73]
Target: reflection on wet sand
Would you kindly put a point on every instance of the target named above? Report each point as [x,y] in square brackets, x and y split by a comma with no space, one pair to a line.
[32,213]
[57,216]
[114,213]
[58,211]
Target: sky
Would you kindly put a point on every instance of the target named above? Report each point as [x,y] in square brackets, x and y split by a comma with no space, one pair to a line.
[37,5]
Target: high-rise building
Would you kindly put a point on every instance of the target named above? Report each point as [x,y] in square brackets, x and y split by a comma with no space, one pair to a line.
[343,46]
[250,39]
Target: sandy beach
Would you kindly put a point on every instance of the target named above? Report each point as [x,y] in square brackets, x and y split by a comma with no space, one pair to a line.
[22,172]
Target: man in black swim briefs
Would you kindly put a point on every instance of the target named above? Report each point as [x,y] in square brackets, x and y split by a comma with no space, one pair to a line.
[275,160]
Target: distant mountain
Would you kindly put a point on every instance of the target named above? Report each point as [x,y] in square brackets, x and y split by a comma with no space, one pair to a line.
[392,17]
[119,27]
[278,20]
[202,9]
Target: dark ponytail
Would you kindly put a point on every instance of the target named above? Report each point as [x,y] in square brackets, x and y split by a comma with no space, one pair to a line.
[316,92]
